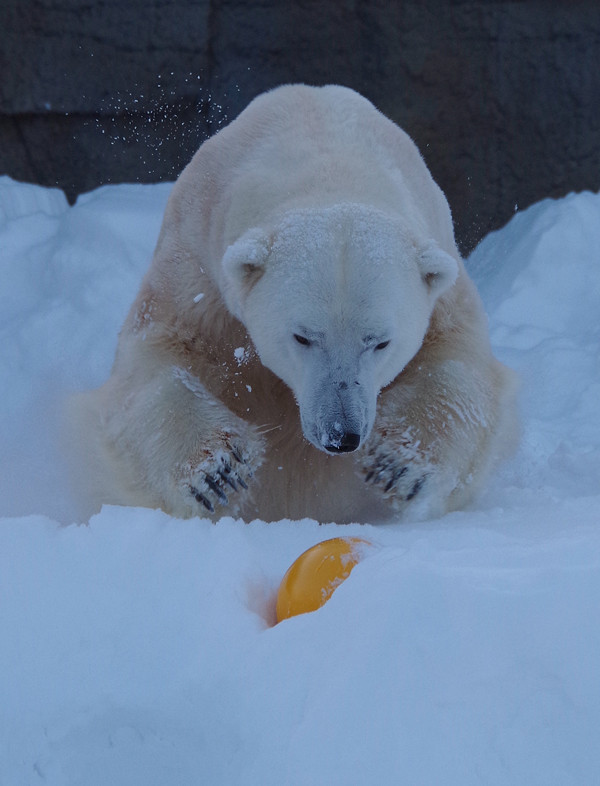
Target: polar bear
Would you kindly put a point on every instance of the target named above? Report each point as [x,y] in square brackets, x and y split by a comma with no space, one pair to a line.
[306,342]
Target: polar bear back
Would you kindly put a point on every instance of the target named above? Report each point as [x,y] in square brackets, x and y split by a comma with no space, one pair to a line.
[296,146]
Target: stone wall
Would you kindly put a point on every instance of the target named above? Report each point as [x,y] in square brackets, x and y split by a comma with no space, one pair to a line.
[502,97]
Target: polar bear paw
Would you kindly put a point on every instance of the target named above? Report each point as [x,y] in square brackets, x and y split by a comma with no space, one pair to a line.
[397,464]
[220,477]
[395,475]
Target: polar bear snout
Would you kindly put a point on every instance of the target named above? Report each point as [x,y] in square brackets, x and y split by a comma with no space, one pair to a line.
[338,441]
[337,417]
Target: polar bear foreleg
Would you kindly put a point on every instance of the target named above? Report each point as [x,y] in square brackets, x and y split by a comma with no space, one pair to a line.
[436,437]
[165,441]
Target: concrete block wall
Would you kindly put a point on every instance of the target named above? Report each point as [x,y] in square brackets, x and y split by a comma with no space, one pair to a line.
[502,97]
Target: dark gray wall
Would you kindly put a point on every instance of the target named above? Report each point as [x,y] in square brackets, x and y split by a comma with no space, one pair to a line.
[503,98]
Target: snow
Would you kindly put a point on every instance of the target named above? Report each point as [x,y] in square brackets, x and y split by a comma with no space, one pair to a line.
[140,649]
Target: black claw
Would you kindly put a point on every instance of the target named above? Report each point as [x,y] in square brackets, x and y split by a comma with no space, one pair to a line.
[201,498]
[395,477]
[237,456]
[214,486]
[242,484]
[226,479]
[400,473]
[377,471]
[418,485]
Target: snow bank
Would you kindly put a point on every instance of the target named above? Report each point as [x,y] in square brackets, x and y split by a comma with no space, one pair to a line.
[68,278]
[540,280]
[140,649]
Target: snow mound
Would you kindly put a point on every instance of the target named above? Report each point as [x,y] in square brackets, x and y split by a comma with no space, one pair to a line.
[140,649]
[540,280]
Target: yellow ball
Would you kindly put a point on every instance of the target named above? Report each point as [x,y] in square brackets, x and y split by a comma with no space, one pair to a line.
[312,578]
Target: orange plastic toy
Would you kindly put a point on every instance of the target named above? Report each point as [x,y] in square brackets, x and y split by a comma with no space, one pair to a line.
[312,578]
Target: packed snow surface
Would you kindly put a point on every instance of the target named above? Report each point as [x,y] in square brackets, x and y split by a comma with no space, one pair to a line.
[140,650]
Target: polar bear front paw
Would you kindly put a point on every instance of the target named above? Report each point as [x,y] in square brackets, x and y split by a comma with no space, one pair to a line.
[394,475]
[221,476]
[218,479]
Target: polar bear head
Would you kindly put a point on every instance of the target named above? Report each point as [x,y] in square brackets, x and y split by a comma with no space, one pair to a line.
[337,301]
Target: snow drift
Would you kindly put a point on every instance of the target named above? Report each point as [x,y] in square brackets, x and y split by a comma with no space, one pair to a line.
[140,649]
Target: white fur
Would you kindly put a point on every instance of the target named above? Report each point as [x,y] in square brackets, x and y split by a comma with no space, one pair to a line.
[335,310]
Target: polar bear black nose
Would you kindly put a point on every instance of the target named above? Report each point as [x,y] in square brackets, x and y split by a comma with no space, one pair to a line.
[345,442]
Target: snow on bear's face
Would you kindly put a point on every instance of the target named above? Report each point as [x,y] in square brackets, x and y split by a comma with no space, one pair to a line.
[337,301]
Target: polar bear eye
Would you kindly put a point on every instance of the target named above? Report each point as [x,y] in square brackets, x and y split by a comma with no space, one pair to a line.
[383,345]
[302,340]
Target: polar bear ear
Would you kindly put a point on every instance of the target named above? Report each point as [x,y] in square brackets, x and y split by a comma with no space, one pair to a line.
[244,260]
[243,264]
[438,269]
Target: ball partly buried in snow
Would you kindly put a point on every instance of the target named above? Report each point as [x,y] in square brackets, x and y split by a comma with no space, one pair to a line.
[312,578]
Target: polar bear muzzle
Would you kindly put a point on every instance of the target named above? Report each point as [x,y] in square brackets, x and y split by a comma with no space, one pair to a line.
[337,417]
[339,441]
